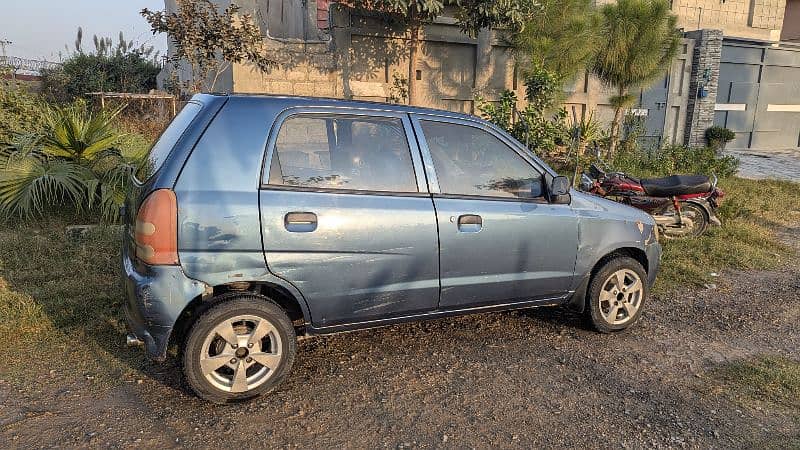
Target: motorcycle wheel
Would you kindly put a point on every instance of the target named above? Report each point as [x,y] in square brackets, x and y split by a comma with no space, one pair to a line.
[699,219]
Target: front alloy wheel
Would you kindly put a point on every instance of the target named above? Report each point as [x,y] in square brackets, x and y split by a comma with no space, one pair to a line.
[616,295]
[620,297]
[240,348]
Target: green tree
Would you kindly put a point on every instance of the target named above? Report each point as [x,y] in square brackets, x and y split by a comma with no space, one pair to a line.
[541,125]
[210,40]
[561,38]
[471,15]
[638,42]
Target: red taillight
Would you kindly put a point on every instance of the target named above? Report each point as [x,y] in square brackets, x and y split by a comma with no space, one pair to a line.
[156,232]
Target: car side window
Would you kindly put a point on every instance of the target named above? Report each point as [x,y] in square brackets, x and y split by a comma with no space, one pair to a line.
[343,152]
[471,161]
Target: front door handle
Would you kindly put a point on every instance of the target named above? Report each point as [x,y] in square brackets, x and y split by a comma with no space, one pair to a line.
[300,222]
[470,223]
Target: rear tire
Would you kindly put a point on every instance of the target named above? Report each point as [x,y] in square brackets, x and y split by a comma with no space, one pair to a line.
[699,218]
[616,295]
[239,349]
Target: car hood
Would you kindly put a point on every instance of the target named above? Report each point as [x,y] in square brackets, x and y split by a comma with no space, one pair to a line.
[592,206]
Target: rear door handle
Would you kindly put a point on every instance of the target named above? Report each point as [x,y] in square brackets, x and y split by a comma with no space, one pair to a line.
[470,223]
[300,222]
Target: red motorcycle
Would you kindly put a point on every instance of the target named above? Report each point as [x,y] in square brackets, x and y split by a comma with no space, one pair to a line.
[682,205]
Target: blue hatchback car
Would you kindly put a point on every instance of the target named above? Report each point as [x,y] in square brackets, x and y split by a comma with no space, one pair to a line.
[258,218]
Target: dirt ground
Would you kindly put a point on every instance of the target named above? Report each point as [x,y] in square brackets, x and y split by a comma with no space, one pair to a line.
[534,378]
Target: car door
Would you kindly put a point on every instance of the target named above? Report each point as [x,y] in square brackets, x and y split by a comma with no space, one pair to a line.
[499,239]
[346,217]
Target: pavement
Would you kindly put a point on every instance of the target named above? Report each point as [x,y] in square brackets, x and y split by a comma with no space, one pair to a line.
[774,164]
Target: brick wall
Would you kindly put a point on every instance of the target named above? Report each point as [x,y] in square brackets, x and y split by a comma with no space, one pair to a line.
[753,19]
[304,69]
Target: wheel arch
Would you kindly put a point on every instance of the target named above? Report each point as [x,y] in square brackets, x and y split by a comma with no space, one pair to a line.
[578,300]
[294,306]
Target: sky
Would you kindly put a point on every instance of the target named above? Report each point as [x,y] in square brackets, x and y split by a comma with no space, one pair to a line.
[39,29]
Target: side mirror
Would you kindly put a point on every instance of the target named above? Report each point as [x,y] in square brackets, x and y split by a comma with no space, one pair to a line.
[558,190]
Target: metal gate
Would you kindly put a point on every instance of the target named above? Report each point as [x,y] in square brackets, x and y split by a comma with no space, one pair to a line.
[759,94]
[664,103]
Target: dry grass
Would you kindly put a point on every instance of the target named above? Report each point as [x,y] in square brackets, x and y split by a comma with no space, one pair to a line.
[65,300]
[753,213]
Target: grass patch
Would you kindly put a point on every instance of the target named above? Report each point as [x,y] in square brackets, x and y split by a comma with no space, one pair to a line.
[766,382]
[65,299]
[771,379]
[752,213]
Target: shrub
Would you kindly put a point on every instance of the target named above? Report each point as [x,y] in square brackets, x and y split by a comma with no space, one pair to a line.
[539,125]
[717,137]
[119,67]
[675,159]
[20,111]
[542,134]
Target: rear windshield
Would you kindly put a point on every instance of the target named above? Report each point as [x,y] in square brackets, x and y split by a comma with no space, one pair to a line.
[158,154]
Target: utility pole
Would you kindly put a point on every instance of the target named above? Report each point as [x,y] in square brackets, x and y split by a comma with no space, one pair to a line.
[4,59]
[3,43]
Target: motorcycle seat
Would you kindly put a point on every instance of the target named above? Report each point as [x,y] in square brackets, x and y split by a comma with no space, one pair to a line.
[676,185]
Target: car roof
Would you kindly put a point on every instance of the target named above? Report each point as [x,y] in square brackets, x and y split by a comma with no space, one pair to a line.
[282,102]
[293,100]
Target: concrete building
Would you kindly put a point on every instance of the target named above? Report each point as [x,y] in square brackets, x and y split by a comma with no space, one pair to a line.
[325,50]
[739,67]
[737,60]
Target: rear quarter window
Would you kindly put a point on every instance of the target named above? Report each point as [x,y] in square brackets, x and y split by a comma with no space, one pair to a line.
[163,146]
[337,151]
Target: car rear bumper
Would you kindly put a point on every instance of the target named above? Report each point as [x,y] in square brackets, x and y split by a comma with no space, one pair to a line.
[155,296]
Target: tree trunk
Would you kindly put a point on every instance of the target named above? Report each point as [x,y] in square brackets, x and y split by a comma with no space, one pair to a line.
[413,48]
[616,125]
[613,138]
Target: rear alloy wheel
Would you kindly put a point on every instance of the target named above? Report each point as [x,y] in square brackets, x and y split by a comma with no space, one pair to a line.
[239,349]
[616,295]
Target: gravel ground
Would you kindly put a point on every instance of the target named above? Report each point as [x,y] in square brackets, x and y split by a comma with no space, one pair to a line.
[517,379]
[533,378]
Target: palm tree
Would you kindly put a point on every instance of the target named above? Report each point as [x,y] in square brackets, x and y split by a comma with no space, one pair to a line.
[31,181]
[561,38]
[80,162]
[78,133]
[639,42]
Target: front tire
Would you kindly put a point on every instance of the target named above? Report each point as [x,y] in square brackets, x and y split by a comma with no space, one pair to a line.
[239,349]
[616,295]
